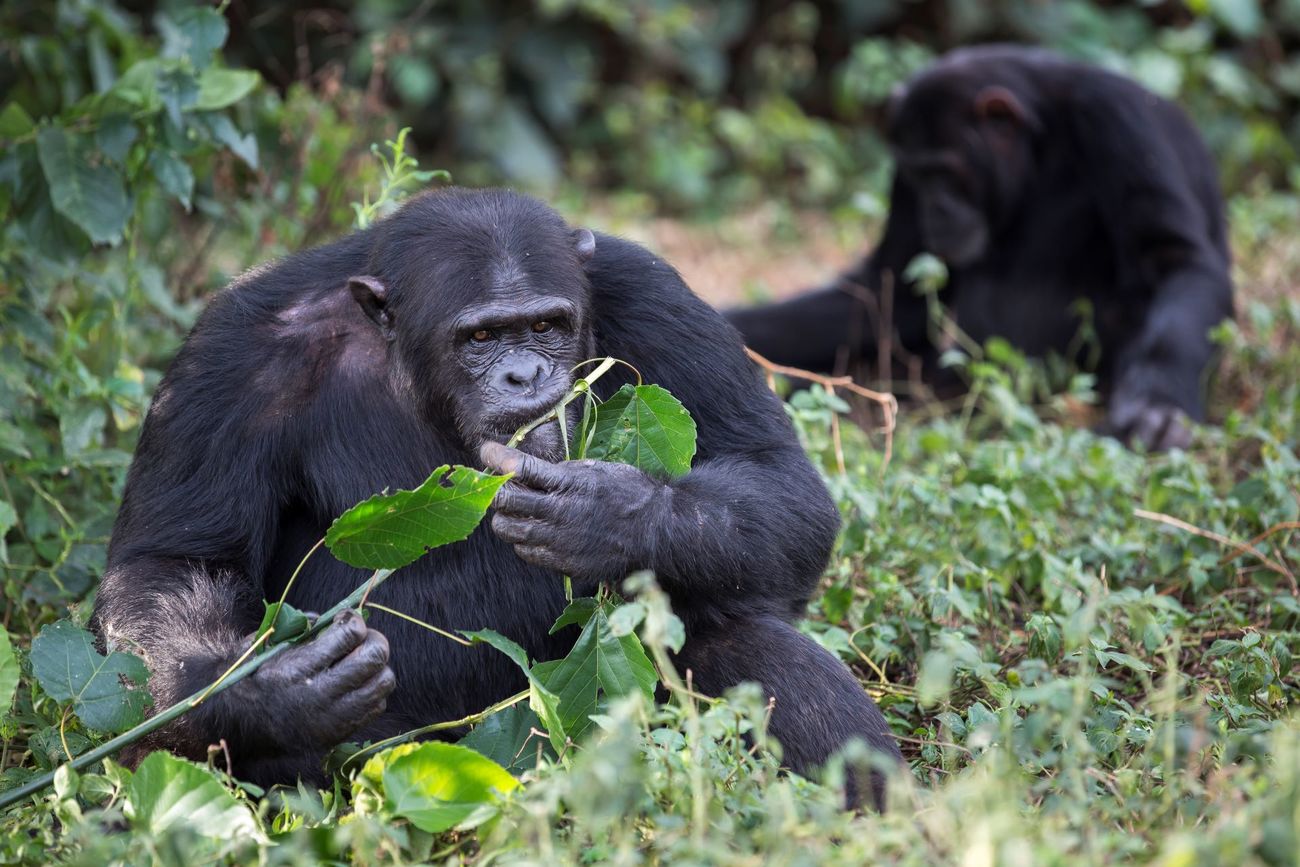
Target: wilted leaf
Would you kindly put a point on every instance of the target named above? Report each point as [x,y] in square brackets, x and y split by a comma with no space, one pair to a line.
[389,531]
[289,622]
[644,426]
[169,793]
[437,786]
[107,692]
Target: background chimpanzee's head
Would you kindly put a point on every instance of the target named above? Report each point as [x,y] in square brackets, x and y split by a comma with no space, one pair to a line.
[484,294]
[962,133]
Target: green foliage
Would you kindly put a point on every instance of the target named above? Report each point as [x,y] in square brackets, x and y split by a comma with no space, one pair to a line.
[389,531]
[437,786]
[641,425]
[107,692]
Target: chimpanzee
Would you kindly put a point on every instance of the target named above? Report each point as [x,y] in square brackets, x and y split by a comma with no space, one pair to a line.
[1040,182]
[313,383]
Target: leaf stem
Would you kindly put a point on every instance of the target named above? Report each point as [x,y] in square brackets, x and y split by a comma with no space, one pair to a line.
[472,719]
[429,626]
[580,387]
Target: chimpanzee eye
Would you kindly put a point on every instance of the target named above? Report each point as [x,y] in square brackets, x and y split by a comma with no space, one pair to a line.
[541,327]
[481,336]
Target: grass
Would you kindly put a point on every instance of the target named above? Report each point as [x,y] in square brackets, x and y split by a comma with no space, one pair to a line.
[1088,653]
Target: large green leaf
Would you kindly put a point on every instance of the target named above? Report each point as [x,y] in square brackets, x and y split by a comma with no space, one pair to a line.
[107,692]
[389,531]
[89,194]
[600,661]
[645,426]
[168,793]
[8,672]
[438,786]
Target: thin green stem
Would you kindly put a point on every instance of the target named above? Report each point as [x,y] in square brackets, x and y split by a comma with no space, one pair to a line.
[185,705]
[429,626]
[581,387]
[472,719]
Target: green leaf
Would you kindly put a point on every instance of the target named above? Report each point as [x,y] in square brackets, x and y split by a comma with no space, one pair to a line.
[224,132]
[92,196]
[173,175]
[168,793]
[82,426]
[544,702]
[289,622]
[576,613]
[15,121]
[600,661]
[179,92]
[194,33]
[389,531]
[438,786]
[219,88]
[8,673]
[115,135]
[107,692]
[645,426]
[506,737]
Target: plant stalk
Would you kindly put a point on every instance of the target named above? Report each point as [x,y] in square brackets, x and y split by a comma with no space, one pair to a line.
[185,705]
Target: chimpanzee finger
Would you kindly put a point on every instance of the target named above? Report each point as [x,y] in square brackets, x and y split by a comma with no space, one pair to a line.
[517,531]
[530,470]
[1176,434]
[368,701]
[359,666]
[1149,427]
[520,502]
[345,633]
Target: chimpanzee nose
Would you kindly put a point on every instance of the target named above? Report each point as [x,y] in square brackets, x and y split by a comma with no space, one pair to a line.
[520,373]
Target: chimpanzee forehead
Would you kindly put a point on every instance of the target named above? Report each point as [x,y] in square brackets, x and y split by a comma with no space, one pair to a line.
[464,246]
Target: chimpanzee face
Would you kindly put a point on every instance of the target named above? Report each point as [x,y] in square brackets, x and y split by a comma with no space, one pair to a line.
[486,299]
[952,221]
[963,149]
[517,352]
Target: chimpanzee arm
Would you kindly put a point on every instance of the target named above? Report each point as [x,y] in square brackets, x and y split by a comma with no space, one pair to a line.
[1167,252]
[843,321]
[191,543]
[752,522]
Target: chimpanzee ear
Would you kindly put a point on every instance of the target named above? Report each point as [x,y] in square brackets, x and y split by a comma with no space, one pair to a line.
[584,242]
[372,295]
[998,103]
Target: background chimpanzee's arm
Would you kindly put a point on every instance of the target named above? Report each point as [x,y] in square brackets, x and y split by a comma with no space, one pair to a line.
[1147,168]
[751,525]
[826,328]
[192,540]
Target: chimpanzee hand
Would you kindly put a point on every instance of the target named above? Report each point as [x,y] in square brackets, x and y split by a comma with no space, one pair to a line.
[315,695]
[586,519]
[1156,425]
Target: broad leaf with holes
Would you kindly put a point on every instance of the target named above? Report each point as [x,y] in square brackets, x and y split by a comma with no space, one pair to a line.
[107,692]
[389,531]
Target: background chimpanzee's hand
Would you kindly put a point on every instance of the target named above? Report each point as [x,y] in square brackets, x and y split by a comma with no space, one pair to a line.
[586,519]
[1155,424]
[314,696]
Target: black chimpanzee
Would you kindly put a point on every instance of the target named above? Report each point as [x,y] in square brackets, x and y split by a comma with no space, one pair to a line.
[428,339]
[1039,182]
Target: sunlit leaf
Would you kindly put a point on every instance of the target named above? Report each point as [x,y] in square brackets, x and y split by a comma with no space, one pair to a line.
[437,786]
[168,793]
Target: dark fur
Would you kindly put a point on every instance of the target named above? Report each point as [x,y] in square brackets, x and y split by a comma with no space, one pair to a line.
[287,405]
[1101,191]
